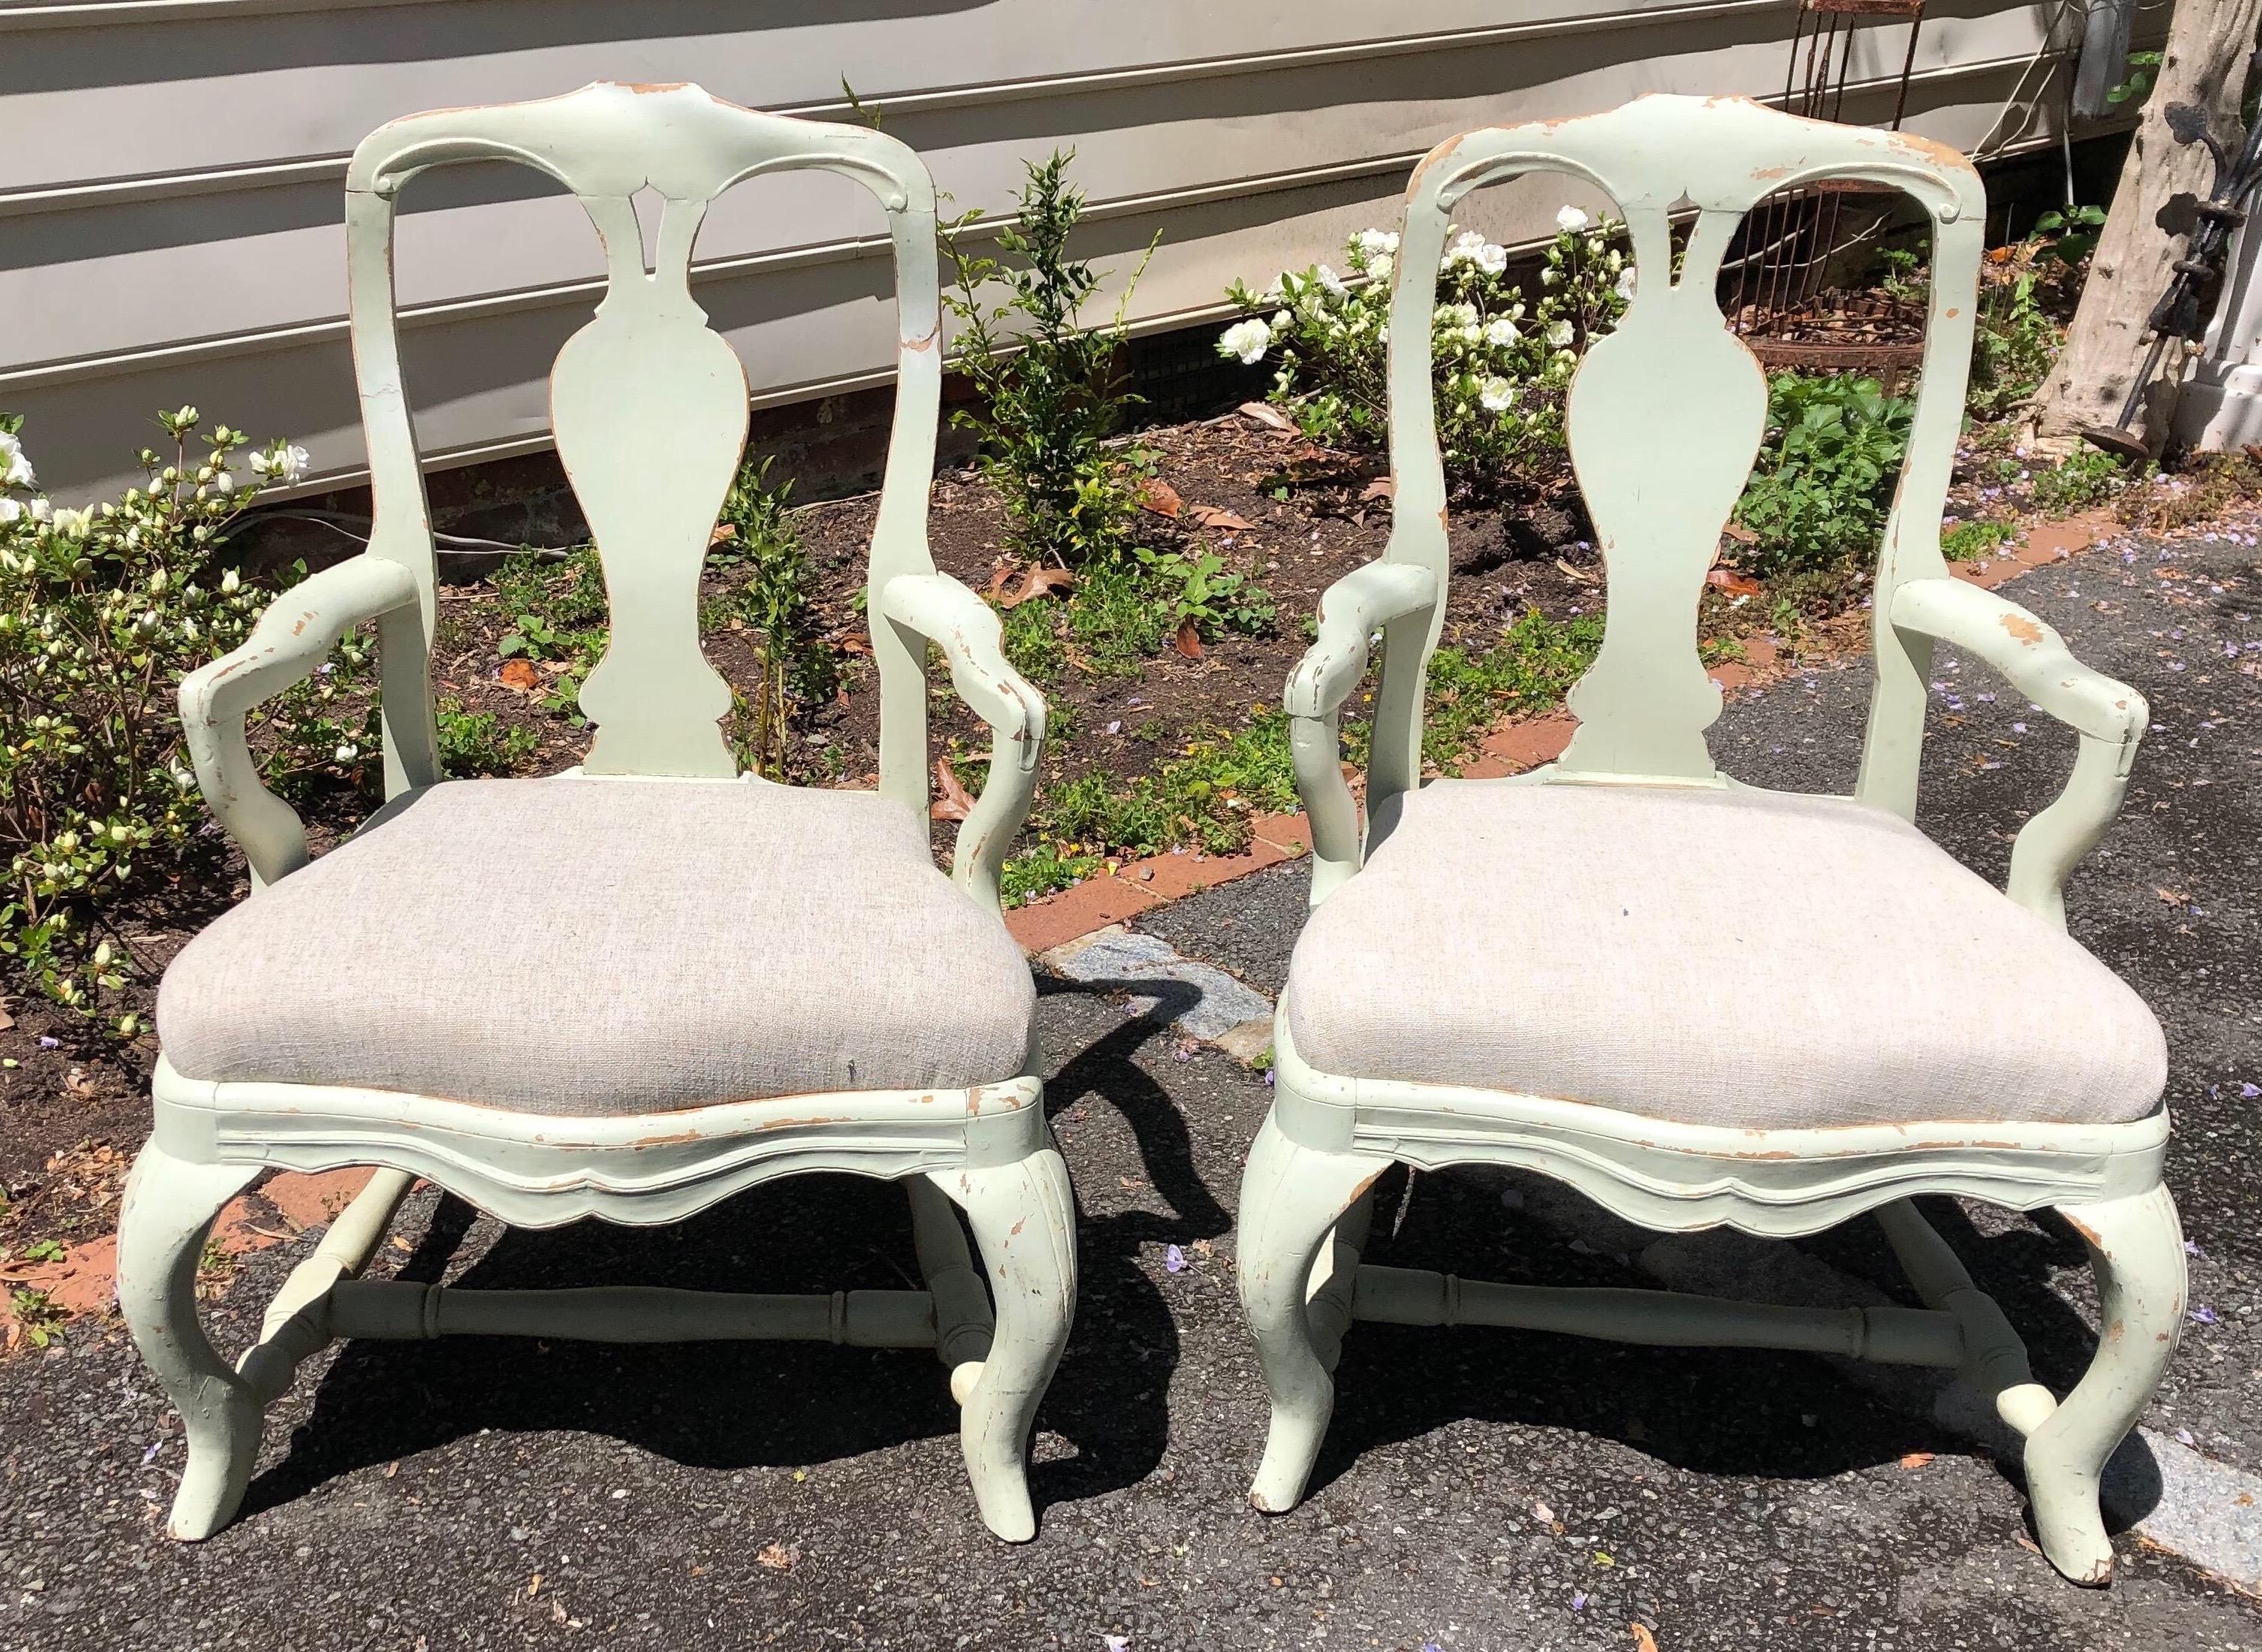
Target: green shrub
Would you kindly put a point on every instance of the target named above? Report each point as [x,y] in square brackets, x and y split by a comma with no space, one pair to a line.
[1530,668]
[2085,477]
[1114,619]
[1824,480]
[1501,367]
[2012,348]
[558,617]
[1050,392]
[775,602]
[102,611]
[1197,587]
[1202,800]
[478,743]
[1968,541]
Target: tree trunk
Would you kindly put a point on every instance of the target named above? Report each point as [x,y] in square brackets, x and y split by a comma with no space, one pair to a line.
[2205,63]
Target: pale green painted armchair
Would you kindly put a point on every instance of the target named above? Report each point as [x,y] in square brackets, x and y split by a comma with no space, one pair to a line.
[713,980]
[1567,972]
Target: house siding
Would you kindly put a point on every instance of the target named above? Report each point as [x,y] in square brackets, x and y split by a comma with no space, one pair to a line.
[171,171]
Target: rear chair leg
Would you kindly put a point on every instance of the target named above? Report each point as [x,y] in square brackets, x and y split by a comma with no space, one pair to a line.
[169,1209]
[2136,1248]
[1024,1220]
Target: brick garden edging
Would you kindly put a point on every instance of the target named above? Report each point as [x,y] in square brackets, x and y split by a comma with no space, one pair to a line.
[84,1280]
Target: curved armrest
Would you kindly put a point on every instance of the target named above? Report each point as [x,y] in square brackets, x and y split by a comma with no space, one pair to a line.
[1365,600]
[967,629]
[2109,716]
[292,638]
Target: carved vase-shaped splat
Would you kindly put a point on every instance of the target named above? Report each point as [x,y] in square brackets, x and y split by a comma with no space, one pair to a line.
[1664,422]
[650,410]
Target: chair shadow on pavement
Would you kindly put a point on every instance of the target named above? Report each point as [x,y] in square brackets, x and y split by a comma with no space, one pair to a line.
[739,1404]
[1729,1411]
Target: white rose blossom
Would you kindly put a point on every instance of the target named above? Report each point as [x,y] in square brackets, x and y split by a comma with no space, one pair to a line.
[286,464]
[15,469]
[1375,243]
[1502,331]
[1624,288]
[1332,281]
[1246,341]
[1491,258]
[1495,393]
[1571,220]
[1380,266]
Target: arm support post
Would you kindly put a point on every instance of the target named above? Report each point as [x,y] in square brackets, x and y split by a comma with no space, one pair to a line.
[292,638]
[2109,715]
[1400,599]
[945,612]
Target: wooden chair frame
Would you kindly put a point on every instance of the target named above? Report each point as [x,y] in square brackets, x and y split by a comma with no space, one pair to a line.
[1665,419]
[649,409]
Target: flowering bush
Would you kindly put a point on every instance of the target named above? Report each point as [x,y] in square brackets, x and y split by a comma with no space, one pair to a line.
[1501,365]
[102,612]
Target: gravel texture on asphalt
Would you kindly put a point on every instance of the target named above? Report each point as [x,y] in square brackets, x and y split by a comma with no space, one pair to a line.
[1480,1489]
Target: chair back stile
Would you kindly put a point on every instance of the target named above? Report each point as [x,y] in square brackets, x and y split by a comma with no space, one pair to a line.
[649,405]
[1666,413]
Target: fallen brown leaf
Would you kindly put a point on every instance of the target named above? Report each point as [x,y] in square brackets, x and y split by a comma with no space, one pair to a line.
[519,674]
[1158,496]
[1189,639]
[1383,487]
[1642,1638]
[1916,1460]
[723,531]
[853,643]
[956,802]
[1216,516]
[1271,418]
[1741,534]
[778,1557]
[2174,897]
[1037,582]
[1569,572]
[1736,584]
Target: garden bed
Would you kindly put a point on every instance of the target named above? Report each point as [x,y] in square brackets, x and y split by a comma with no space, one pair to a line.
[1170,749]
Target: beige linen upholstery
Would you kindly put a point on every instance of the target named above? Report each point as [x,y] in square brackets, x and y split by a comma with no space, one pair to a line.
[1736,958]
[571,945]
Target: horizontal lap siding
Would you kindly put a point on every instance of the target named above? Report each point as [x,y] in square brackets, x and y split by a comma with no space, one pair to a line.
[170,177]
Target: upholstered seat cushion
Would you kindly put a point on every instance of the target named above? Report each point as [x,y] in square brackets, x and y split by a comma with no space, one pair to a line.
[580,946]
[1737,958]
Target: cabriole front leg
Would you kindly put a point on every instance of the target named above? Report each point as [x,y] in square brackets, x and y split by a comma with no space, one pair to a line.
[1023,1215]
[169,1209]
[2136,1251]
[1291,1197]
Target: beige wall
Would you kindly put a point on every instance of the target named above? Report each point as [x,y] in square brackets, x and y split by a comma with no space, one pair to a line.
[170,170]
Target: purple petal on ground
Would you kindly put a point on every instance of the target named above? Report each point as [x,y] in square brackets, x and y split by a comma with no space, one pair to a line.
[1174,1259]
[2203,1314]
